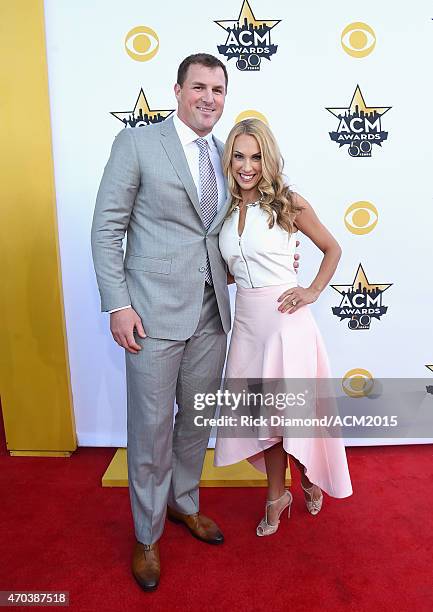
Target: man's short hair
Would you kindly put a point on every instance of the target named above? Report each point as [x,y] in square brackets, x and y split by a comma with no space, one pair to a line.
[204,59]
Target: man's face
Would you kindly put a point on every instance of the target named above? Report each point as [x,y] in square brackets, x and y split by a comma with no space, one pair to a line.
[201,98]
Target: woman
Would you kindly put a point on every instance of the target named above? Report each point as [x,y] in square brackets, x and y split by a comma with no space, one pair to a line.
[274,334]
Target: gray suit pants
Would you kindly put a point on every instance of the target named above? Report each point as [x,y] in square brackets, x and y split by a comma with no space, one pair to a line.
[165,461]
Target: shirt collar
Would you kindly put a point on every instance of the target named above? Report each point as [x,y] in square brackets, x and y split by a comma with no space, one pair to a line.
[186,134]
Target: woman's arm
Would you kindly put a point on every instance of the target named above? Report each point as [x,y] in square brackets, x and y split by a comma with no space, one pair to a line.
[309,224]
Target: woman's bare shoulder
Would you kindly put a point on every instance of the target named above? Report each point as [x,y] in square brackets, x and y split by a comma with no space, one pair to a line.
[299,201]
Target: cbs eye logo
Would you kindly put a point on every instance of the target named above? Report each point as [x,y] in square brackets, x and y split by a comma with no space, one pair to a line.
[358,39]
[357,383]
[142,43]
[251,114]
[361,218]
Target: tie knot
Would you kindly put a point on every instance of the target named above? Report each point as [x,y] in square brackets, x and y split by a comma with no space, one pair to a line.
[202,144]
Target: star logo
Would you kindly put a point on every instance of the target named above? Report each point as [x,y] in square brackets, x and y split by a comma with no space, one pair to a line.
[249,39]
[142,114]
[358,104]
[248,15]
[360,126]
[360,282]
[361,301]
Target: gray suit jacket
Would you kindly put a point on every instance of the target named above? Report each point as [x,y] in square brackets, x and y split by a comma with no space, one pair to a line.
[147,191]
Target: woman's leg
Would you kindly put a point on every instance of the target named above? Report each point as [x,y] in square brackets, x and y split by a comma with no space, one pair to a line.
[306,483]
[276,465]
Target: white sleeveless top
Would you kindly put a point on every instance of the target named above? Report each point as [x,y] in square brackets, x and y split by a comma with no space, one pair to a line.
[262,256]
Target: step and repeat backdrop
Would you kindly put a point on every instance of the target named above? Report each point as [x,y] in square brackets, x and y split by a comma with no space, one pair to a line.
[346,91]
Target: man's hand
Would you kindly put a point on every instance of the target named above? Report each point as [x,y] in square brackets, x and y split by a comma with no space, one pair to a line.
[122,325]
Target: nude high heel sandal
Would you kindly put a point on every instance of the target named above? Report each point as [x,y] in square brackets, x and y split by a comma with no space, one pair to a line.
[313,505]
[264,528]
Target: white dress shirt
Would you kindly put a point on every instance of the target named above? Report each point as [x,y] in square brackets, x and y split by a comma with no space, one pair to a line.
[261,256]
[187,137]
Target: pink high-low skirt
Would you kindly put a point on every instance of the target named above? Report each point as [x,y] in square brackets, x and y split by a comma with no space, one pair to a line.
[268,344]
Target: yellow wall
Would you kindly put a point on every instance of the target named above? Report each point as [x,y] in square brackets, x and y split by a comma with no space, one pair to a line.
[34,372]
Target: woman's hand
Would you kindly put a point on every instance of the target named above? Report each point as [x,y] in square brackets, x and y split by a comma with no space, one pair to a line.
[293,299]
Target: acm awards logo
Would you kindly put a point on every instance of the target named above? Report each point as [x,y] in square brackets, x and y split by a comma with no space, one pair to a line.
[361,301]
[141,114]
[248,39]
[359,126]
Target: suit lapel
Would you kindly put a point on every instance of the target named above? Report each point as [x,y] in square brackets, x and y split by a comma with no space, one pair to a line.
[220,214]
[220,146]
[171,143]
[224,207]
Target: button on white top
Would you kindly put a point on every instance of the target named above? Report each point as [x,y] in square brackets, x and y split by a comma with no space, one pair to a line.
[262,256]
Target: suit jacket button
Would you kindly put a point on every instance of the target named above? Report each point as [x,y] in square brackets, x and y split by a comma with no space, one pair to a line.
[202,268]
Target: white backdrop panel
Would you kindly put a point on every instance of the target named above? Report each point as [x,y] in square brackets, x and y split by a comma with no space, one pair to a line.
[91,75]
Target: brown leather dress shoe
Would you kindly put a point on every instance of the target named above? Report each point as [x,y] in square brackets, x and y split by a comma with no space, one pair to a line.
[200,526]
[146,566]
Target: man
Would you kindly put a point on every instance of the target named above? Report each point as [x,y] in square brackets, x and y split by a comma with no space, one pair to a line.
[168,298]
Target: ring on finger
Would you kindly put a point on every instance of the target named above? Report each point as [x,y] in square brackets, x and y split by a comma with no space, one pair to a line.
[293,302]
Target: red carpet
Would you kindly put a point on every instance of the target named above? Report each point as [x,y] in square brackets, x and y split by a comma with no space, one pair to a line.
[61,531]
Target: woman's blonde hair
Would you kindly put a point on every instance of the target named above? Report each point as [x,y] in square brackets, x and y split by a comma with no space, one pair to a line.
[275,196]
